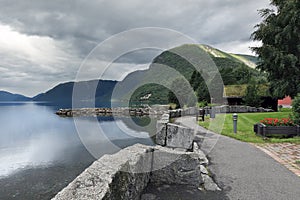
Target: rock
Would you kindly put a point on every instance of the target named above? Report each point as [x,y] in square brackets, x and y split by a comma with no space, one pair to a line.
[112,176]
[199,138]
[209,184]
[160,137]
[175,136]
[180,149]
[179,136]
[148,196]
[203,170]
[203,159]
[126,174]
[175,167]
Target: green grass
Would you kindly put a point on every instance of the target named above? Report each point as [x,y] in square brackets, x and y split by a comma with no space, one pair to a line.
[245,126]
[285,110]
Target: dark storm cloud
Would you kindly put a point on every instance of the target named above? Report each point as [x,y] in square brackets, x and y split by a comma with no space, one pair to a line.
[86,23]
[74,28]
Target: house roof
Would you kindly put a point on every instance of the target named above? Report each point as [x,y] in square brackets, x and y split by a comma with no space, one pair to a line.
[287,101]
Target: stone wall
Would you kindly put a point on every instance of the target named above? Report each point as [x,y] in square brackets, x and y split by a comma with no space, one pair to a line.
[175,136]
[183,112]
[112,176]
[124,175]
[239,109]
[192,111]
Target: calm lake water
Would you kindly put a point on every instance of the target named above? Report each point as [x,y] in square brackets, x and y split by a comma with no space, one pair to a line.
[40,152]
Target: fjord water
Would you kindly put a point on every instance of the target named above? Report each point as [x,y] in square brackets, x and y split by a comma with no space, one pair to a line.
[40,152]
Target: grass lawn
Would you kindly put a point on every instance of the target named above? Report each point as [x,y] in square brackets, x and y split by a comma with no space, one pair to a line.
[245,127]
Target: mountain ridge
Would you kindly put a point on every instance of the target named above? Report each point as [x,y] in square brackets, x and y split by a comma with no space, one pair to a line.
[226,62]
[233,68]
[8,96]
[63,93]
[248,60]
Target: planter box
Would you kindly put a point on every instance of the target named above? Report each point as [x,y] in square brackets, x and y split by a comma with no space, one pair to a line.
[264,130]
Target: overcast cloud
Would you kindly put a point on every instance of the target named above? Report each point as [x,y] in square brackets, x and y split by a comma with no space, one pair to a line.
[43,43]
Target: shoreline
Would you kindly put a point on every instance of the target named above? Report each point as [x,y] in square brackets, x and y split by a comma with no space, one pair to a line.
[121,111]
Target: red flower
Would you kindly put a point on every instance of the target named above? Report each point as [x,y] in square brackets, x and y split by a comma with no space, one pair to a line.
[277,122]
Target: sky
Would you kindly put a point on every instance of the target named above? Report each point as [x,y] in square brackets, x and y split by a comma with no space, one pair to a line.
[43,43]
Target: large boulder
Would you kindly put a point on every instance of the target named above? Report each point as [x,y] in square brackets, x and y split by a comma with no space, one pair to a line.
[175,136]
[179,136]
[176,167]
[116,176]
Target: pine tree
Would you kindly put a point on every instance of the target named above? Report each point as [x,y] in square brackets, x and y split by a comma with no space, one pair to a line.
[252,97]
[279,33]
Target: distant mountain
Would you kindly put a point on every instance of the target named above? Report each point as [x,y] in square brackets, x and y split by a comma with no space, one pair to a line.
[63,92]
[7,96]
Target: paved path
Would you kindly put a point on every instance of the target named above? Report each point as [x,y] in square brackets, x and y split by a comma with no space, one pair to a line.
[245,172]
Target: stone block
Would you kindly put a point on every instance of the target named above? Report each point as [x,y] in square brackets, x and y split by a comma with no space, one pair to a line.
[161,135]
[179,136]
[126,174]
[116,176]
[209,184]
[202,158]
[176,167]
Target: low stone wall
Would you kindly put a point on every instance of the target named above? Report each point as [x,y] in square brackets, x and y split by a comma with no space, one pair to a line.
[192,111]
[239,109]
[112,176]
[183,112]
[122,111]
[175,136]
[124,175]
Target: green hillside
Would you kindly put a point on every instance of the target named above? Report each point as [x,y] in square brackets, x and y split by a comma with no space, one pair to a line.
[248,60]
[234,69]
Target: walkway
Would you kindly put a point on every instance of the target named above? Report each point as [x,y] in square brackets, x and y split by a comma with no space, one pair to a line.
[245,172]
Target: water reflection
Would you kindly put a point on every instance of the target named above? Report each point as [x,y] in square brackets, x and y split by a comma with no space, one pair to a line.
[33,136]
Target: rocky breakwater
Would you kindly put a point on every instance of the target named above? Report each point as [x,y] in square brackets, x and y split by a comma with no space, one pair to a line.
[103,112]
[126,174]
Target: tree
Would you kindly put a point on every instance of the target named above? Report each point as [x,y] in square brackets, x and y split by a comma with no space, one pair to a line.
[200,87]
[202,93]
[181,93]
[296,109]
[252,97]
[173,99]
[279,54]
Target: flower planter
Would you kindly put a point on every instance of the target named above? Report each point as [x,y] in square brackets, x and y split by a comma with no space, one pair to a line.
[262,129]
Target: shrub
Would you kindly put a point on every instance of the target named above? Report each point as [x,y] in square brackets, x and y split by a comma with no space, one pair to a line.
[280,108]
[202,104]
[252,97]
[296,109]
